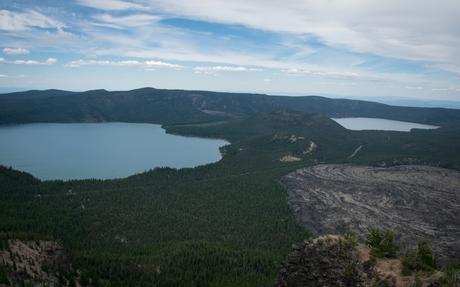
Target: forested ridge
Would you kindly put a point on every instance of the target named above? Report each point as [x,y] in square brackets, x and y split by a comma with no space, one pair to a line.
[223,224]
[182,106]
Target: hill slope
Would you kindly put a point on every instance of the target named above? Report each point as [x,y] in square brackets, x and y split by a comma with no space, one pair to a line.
[180,106]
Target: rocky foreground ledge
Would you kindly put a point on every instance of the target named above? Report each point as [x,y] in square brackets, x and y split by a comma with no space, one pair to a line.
[335,261]
[416,202]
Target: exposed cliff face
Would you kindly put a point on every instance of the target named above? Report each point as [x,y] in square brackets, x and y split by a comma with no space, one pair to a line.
[416,202]
[334,261]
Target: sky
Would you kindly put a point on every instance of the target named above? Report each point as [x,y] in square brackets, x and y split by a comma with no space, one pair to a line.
[353,48]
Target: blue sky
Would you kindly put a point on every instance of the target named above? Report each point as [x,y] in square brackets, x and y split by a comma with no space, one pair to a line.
[353,48]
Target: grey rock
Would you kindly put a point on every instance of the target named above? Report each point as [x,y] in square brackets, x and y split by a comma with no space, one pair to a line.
[416,202]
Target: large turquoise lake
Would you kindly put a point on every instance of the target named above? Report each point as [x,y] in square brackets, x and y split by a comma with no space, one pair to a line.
[100,150]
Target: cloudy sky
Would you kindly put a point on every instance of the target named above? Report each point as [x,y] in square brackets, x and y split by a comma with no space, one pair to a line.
[363,48]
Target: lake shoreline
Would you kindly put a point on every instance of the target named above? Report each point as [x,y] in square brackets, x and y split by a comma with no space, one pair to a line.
[79,151]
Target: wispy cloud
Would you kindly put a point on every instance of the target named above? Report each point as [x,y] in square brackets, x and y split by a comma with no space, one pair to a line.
[234,63]
[160,64]
[414,87]
[49,61]
[16,21]
[448,89]
[111,4]
[16,51]
[129,21]
[219,69]
[20,76]
[339,74]
[128,63]
[406,30]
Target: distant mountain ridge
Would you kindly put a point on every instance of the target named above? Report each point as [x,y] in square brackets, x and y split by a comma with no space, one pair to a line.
[184,106]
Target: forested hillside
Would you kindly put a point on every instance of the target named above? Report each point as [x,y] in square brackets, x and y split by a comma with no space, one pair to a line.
[181,106]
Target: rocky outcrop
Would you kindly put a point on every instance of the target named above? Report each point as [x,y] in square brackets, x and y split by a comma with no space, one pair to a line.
[325,261]
[335,261]
[416,202]
[35,263]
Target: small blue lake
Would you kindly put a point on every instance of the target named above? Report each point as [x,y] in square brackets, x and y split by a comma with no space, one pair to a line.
[359,124]
[100,150]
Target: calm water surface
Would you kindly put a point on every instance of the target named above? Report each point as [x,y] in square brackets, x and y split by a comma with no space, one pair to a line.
[100,150]
[360,124]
